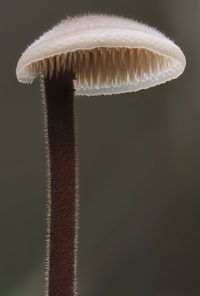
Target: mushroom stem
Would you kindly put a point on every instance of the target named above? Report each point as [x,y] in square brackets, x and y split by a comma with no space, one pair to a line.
[59,102]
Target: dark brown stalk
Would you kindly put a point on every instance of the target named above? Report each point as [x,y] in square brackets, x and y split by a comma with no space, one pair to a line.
[59,93]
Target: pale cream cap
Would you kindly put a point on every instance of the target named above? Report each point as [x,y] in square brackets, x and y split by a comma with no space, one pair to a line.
[108,54]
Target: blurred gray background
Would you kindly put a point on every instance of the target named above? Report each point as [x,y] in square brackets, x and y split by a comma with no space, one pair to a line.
[139,164]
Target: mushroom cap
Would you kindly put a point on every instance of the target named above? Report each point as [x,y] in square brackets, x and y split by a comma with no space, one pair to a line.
[108,54]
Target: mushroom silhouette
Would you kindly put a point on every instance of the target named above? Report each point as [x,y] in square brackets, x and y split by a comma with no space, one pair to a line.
[86,55]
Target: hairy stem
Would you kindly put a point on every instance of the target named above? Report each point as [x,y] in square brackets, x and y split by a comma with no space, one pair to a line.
[61,261]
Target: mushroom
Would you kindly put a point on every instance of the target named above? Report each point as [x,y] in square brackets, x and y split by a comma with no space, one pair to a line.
[86,55]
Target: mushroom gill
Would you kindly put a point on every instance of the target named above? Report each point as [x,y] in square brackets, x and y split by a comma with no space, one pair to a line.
[105,66]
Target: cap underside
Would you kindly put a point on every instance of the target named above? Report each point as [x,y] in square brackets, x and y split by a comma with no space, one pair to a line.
[106,70]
